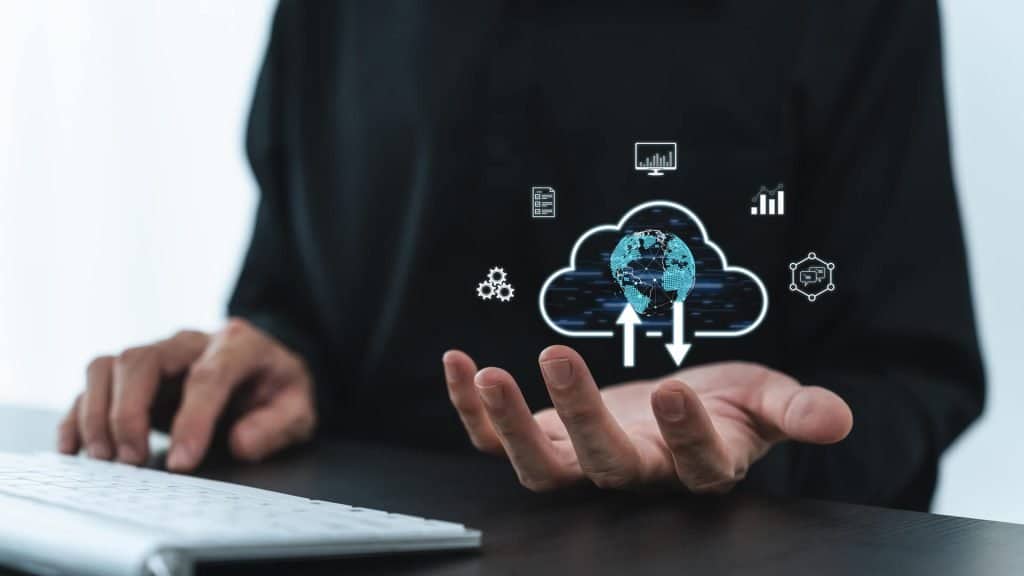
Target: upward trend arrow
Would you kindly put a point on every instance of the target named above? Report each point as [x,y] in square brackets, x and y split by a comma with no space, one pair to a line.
[628,319]
[678,348]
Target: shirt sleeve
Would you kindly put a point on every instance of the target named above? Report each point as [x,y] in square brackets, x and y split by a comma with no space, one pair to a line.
[875,195]
[272,291]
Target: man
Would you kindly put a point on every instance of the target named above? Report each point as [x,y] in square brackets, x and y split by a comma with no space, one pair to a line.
[395,144]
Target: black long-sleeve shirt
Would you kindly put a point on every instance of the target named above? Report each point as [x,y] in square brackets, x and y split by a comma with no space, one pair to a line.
[396,142]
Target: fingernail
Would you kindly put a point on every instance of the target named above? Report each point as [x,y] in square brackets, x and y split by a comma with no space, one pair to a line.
[179,458]
[557,372]
[99,451]
[672,406]
[492,394]
[448,376]
[128,454]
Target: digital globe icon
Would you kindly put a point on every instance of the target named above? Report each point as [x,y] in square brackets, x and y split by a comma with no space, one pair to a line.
[654,269]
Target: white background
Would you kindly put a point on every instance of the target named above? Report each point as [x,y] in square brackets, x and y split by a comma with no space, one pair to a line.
[126,202]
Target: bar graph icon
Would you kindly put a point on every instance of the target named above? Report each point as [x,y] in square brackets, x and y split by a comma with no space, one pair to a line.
[654,157]
[769,202]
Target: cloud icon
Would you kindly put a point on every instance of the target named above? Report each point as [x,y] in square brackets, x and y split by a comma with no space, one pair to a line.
[583,301]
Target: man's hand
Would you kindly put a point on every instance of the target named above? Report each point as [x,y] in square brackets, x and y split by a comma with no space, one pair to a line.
[700,428]
[111,418]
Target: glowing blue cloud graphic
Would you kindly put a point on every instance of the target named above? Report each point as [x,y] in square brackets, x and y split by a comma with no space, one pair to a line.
[583,301]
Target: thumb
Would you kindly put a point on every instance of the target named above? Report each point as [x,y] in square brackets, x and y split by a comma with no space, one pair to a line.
[803,413]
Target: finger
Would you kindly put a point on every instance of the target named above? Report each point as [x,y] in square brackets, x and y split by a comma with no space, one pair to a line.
[803,413]
[67,432]
[289,418]
[531,452]
[137,375]
[459,370]
[234,355]
[94,408]
[135,379]
[701,459]
[606,454]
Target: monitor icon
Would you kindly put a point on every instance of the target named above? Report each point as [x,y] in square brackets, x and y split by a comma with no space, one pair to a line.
[654,157]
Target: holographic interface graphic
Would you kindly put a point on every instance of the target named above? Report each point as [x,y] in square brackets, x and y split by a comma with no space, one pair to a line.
[658,263]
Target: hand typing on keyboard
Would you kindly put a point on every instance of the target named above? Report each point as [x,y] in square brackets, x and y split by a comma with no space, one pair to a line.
[111,418]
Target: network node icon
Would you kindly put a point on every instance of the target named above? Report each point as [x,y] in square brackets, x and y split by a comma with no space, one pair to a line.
[496,285]
[811,277]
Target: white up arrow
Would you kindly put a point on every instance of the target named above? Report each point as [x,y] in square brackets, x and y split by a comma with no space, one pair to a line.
[629,320]
[678,348]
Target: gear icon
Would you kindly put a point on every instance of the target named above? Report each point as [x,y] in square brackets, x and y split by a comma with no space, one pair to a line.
[485,290]
[495,284]
[497,276]
[505,292]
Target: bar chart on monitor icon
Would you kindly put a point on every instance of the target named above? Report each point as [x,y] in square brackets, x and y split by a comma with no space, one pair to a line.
[769,201]
[655,158]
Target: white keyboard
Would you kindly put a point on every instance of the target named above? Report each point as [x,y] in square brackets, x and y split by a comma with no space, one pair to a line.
[67,514]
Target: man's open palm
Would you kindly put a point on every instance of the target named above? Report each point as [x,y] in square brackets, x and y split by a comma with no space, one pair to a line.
[699,428]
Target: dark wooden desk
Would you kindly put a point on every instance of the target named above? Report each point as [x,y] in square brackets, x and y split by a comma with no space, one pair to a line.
[586,531]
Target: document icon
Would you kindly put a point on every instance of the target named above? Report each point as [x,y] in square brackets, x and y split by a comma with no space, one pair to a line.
[543,201]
